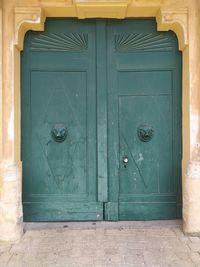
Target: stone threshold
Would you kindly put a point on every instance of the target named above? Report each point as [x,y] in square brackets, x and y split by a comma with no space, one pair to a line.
[102,225]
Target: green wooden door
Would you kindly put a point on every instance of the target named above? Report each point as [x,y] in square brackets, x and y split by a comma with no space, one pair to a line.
[59,123]
[97,93]
[144,122]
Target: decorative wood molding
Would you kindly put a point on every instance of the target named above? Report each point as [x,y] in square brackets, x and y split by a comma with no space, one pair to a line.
[73,42]
[142,42]
[27,19]
[175,20]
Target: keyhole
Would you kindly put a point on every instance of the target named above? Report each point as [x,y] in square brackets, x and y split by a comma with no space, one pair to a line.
[125,160]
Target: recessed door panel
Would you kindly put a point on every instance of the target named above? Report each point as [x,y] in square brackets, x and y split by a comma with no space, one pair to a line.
[146,141]
[142,82]
[59,135]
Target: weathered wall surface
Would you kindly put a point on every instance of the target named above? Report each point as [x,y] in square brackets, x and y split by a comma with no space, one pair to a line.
[191,179]
[10,173]
[17,16]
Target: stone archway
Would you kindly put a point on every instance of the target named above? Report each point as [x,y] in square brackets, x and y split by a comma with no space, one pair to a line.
[178,16]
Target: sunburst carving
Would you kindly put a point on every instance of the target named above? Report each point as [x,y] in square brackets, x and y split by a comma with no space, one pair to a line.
[60,42]
[142,42]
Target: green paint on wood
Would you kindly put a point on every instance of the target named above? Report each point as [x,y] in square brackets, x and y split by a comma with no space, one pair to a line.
[93,92]
[111,211]
[59,88]
[144,98]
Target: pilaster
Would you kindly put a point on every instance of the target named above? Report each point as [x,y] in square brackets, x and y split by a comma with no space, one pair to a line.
[11,228]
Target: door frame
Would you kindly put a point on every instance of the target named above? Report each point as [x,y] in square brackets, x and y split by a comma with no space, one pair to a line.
[31,16]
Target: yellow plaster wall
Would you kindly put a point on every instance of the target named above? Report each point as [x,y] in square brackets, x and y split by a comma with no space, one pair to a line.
[1,80]
[191,161]
[1,212]
[181,16]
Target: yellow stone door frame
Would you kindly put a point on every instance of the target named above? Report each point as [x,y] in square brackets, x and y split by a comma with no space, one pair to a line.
[17,17]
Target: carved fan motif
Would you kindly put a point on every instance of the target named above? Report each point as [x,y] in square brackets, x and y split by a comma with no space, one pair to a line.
[60,42]
[142,42]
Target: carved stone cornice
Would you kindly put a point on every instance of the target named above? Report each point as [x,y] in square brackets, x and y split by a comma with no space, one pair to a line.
[57,3]
[101,8]
[175,20]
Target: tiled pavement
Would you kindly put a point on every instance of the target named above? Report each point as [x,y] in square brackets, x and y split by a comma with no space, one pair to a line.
[103,244]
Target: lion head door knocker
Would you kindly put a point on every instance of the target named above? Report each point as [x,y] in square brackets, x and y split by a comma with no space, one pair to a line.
[59,133]
[145,132]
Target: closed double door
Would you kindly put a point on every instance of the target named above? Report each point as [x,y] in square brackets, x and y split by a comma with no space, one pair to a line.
[101,121]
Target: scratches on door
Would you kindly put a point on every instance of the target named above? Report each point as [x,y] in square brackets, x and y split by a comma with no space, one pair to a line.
[141,158]
[134,161]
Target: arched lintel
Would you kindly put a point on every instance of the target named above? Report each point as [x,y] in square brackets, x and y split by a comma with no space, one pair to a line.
[33,18]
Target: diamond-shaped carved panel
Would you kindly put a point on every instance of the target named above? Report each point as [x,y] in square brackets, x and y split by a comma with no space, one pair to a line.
[61,159]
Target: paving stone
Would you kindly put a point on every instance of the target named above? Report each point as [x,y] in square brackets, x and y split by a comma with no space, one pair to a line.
[195,257]
[146,244]
[176,245]
[136,245]
[124,265]
[153,258]
[5,247]
[181,236]
[160,233]
[16,260]
[195,247]
[194,239]
[135,258]
[114,259]
[180,264]
[111,251]
[4,258]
